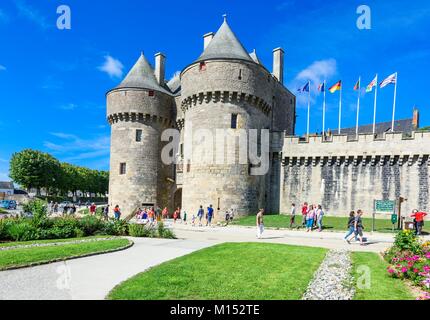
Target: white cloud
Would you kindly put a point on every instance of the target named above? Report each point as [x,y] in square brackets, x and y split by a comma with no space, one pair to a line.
[113,67]
[2,68]
[316,72]
[72,148]
[31,14]
[68,106]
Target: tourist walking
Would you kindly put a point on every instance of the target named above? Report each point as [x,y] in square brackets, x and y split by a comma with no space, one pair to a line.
[310,216]
[93,209]
[209,216]
[319,217]
[350,226]
[117,212]
[200,214]
[358,226]
[260,223]
[176,214]
[106,213]
[418,221]
[184,216]
[165,213]
[293,215]
[304,213]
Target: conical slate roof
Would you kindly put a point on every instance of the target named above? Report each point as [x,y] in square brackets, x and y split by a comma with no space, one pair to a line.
[224,45]
[141,76]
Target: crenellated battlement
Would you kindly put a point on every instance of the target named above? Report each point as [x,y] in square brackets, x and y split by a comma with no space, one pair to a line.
[396,147]
[224,97]
[139,117]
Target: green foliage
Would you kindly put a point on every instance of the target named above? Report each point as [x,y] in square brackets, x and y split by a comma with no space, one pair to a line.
[140,230]
[22,230]
[116,227]
[34,169]
[39,210]
[65,227]
[91,225]
[165,233]
[406,240]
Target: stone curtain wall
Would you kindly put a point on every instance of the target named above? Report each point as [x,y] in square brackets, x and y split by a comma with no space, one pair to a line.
[347,175]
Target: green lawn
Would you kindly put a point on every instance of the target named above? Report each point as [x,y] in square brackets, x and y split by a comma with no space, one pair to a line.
[382,286]
[329,223]
[87,211]
[23,257]
[230,271]
[21,243]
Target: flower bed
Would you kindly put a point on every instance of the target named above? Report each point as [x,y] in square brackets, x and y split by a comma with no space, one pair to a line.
[409,259]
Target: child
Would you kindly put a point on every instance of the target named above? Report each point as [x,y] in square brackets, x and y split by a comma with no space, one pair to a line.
[193,220]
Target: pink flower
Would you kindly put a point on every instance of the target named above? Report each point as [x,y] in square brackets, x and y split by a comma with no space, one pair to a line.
[426,268]
[416,270]
[427,255]
[391,271]
[404,269]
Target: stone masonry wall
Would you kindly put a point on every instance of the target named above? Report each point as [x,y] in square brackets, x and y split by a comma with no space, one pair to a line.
[347,175]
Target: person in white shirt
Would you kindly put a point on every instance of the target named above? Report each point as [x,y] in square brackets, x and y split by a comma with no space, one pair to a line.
[319,217]
[293,215]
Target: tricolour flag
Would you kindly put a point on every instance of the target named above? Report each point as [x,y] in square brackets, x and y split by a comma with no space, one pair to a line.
[305,88]
[370,86]
[336,87]
[321,87]
[357,86]
[390,79]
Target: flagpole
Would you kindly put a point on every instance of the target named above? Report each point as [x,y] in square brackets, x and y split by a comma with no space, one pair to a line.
[340,108]
[374,106]
[309,106]
[394,104]
[358,107]
[323,124]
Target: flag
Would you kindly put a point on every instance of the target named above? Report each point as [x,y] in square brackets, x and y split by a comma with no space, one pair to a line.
[370,86]
[391,79]
[321,87]
[336,87]
[357,85]
[305,88]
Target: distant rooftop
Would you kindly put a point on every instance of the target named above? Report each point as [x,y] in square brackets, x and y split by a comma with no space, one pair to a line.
[6,185]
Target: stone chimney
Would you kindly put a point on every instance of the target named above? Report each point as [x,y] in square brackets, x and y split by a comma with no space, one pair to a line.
[160,67]
[415,119]
[207,38]
[278,64]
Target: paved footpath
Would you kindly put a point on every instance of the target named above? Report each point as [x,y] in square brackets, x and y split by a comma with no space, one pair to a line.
[377,242]
[90,277]
[93,277]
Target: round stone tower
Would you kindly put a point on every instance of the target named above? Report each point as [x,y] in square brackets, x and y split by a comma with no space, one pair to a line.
[226,90]
[138,110]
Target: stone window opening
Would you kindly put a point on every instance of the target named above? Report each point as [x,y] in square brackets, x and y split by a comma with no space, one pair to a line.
[151,93]
[188,166]
[122,168]
[240,74]
[234,120]
[202,66]
[139,135]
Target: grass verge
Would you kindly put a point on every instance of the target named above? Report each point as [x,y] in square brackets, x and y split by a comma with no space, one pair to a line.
[229,271]
[330,223]
[23,243]
[17,258]
[382,286]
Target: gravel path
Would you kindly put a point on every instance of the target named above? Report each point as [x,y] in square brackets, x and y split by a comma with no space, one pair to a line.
[333,279]
[49,244]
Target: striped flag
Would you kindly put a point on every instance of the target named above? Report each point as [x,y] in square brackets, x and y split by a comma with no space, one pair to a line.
[389,80]
[357,85]
[321,87]
[370,86]
[336,87]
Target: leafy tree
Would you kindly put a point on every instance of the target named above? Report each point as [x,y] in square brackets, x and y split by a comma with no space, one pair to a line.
[34,169]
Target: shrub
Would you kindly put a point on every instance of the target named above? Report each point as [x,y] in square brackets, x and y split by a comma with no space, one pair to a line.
[140,230]
[22,230]
[91,225]
[406,240]
[39,210]
[116,228]
[65,227]
[165,233]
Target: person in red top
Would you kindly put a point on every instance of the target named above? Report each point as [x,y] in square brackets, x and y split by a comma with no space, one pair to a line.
[93,208]
[419,220]
[304,213]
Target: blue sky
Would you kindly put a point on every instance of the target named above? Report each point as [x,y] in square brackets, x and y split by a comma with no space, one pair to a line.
[53,82]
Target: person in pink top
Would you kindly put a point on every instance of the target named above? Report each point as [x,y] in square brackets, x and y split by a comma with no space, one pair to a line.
[310,217]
